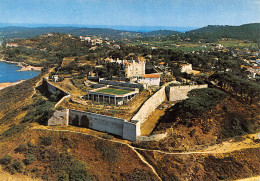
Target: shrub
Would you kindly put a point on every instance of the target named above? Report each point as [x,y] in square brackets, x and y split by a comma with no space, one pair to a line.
[45,140]
[109,153]
[67,143]
[77,172]
[6,160]
[10,169]
[17,165]
[63,176]
[138,174]
[66,167]
[14,130]
[107,136]
[22,148]
[29,159]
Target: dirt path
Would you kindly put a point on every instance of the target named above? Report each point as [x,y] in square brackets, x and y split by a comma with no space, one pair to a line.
[250,179]
[219,148]
[144,161]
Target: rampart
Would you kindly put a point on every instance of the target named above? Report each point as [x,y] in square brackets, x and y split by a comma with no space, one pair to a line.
[177,93]
[148,107]
[96,121]
[59,118]
[108,124]
[53,89]
[127,130]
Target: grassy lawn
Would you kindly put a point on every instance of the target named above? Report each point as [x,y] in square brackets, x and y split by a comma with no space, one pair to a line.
[113,91]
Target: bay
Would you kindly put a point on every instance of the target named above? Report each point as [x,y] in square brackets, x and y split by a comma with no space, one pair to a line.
[9,73]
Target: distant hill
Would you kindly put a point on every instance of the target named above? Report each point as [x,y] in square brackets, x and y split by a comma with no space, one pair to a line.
[28,32]
[209,33]
[161,33]
[214,32]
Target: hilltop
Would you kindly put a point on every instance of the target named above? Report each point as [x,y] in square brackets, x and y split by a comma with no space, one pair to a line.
[27,32]
[214,32]
[209,33]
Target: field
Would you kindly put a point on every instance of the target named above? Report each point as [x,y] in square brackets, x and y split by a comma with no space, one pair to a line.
[237,43]
[173,45]
[113,91]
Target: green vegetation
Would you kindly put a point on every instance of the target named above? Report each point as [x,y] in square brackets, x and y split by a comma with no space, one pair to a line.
[45,140]
[30,158]
[109,152]
[138,174]
[237,43]
[14,130]
[113,91]
[6,160]
[201,100]
[61,165]
[39,111]
[212,33]
[110,69]
[241,87]
[17,165]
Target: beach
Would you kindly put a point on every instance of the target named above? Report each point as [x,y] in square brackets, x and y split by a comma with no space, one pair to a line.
[7,84]
[23,66]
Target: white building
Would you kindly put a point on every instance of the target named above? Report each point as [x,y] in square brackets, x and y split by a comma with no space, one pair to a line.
[133,68]
[11,45]
[150,80]
[186,68]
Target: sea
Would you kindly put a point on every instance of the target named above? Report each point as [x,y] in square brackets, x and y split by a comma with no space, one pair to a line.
[9,73]
[116,27]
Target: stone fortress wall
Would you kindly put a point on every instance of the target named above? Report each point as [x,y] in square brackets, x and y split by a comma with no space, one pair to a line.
[94,121]
[53,89]
[127,130]
[177,93]
[148,107]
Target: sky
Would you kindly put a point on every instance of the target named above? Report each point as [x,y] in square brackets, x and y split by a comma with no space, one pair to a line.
[178,13]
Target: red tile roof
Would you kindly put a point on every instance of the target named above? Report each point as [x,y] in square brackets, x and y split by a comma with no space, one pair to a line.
[151,76]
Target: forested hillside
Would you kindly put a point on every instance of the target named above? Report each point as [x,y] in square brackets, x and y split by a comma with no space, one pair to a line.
[215,32]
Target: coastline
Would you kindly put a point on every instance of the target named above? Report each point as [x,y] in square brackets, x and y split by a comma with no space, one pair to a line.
[24,67]
[8,84]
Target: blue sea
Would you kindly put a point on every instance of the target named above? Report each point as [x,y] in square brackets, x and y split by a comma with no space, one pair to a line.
[9,73]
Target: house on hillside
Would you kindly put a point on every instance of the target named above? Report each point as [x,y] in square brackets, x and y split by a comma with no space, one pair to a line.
[150,80]
[11,45]
[186,68]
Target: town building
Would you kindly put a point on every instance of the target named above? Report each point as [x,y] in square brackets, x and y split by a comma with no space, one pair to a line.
[11,45]
[186,68]
[150,80]
[134,68]
[112,94]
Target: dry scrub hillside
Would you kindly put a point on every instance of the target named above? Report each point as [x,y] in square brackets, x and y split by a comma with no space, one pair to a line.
[228,119]
[52,155]
[227,166]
